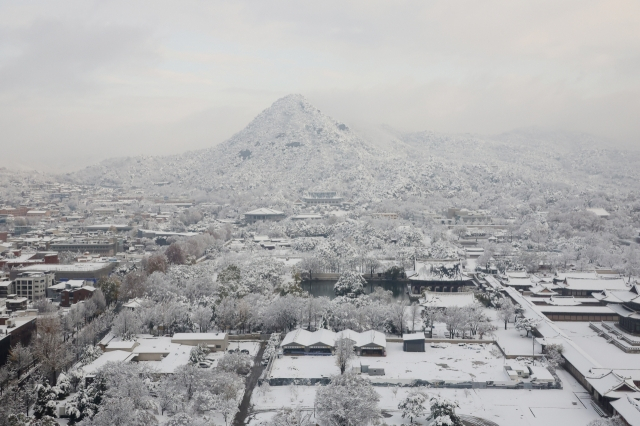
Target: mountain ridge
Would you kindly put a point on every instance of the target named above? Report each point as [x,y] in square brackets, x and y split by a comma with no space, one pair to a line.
[292,146]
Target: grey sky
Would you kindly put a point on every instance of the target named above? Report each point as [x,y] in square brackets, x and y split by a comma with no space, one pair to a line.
[81,80]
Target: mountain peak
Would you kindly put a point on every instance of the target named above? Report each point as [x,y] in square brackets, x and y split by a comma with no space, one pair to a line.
[291,117]
[291,105]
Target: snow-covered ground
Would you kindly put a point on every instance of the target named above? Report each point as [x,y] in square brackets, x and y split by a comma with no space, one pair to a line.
[477,362]
[251,346]
[448,362]
[563,407]
[512,342]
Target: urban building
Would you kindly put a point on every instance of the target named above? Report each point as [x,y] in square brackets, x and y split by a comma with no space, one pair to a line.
[90,271]
[33,285]
[71,296]
[103,247]
[7,287]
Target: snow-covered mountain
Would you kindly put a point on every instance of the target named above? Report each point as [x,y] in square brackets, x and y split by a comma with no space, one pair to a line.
[292,146]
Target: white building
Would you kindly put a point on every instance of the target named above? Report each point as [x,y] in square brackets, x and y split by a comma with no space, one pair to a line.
[33,285]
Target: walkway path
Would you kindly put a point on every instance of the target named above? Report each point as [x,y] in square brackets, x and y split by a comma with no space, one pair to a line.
[252,381]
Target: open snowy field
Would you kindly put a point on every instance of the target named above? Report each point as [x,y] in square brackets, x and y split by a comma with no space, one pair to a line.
[477,362]
[563,407]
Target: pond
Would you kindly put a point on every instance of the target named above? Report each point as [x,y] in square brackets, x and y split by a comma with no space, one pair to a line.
[325,288]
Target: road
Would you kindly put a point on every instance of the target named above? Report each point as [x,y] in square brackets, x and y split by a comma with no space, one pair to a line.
[252,381]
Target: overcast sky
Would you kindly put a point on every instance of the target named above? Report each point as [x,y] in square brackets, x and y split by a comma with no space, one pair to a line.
[81,81]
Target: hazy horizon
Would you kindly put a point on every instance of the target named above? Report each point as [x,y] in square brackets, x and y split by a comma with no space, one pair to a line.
[84,81]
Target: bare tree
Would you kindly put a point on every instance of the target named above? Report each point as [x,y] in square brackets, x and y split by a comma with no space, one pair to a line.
[344,353]
[506,310]
[134,285]
[174,254]
[431,314]
[49,347]
[156,262]
[455,319]
[202,316]
[20,357]
[398,312]
[310,265]
[414,315]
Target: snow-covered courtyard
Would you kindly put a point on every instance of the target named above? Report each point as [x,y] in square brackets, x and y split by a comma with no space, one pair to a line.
[562,407]
[442,361]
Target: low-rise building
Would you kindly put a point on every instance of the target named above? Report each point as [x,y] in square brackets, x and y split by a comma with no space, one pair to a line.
[106,247]
[71,296]
[7,287]
[88,271]
[214,341]
[323,341]
[263,214]
[14,303]
[33,285]
[413,342]
[14,331]
[322,197]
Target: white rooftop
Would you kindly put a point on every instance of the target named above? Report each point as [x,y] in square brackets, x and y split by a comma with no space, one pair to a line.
[265,211]
[198,336]
[113,356]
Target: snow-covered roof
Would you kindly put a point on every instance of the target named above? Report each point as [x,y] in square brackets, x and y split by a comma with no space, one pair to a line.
[544,289]
[198,336]
[629,408]
[623,311]
[152,345]
[541,374]
[323,337]
[265,211]
[619,296]
[519,282]
[113,356]
[296,337]
[300,337]
[517,274]
[595,285]
[563,301]
[611,384]
[600,310]
[371,337]
[413,336]
[55,267]
[599,211]
[59,286]
[133,304]
[124,345]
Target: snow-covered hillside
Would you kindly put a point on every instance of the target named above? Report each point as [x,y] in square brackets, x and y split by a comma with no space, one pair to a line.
[292,147]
